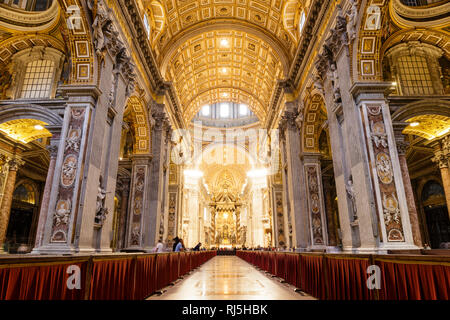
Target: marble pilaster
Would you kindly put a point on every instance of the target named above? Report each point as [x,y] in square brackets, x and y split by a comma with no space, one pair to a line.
[294,176]
[53,152]
[138,202]
[5,208]
[402,146]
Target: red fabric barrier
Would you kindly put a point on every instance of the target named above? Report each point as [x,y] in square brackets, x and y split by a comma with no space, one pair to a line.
[292,269]
[407,281]
[280,265]
[125,278]
[272,262]
[162,272]
[174,266]
[112,279]
[312,280]
[40,282]
[346,279]
[145,277]
[184,263]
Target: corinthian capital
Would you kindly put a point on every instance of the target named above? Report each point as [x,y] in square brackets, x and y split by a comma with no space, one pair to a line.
[441,159]
[15,163]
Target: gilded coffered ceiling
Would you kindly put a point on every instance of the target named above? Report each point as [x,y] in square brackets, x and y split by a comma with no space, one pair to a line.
[266,15]
[428,126]
[224,66]
[25,130]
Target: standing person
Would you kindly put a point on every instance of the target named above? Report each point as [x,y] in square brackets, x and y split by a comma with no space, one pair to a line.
[197,247]
[180,246]
[175,242]
[159,247]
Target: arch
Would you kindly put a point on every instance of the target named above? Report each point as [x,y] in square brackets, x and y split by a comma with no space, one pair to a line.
[377,40]
[30,111]
[26,21]
[432,37]
[292,12]
[422,107]
[79,41]
[30,186]
[224,25]
[136,107]
[158,20]
[8,47]
[314,116]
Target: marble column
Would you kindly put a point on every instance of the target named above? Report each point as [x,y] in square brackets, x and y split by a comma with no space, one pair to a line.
[402,146]
[441,158]
[53,152]
[164,218]
[156,176]
[316,206]
[294,176]
[5,208]
[63,229]
[368,176]
[138,213]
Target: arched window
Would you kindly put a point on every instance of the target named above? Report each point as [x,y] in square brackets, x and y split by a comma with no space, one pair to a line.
[302,21]
[414,68]
[418,3]
[38,79]
[147,24]
[206,110]
[36,73]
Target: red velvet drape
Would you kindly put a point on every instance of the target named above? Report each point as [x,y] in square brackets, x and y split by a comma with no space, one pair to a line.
[410,281]
[112,279]
[292,261]
[145,277]
[312,278]
[346,279]
[40,282]
[162,272]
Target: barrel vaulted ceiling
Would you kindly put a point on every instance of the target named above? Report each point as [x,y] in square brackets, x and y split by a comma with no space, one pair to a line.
[224,50]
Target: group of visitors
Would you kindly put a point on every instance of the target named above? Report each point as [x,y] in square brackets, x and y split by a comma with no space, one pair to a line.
[178,245]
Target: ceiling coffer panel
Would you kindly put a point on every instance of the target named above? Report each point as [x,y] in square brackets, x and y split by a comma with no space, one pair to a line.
[232,62]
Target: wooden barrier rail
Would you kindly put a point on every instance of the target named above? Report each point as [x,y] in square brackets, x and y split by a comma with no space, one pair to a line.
[102,277]
[344,276]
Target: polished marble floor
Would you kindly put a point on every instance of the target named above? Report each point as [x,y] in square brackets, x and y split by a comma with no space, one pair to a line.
[229,278]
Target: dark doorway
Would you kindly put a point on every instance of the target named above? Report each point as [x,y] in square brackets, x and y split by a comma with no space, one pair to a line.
[438,225]
[436,214]
[19,228]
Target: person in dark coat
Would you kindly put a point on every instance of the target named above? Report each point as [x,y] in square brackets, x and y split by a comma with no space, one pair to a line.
[175,242]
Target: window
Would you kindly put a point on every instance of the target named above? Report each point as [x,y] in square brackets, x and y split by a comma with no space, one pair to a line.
[25,193]
[243,110]
[224,110]
[302,21]
[38,79]
[206,110]
[146,24]
[414,75]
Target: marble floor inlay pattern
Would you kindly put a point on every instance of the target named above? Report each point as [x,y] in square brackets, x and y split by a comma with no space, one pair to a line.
[229,278]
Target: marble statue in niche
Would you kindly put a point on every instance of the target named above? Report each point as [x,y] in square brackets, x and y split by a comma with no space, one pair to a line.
[352,196]
[100,211]
[352,15]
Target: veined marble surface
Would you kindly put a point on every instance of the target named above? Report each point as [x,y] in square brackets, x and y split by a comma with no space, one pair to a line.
[229,278]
